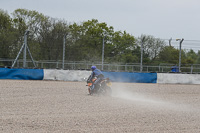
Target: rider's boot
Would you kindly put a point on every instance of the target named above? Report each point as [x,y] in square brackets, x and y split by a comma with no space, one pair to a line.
[92,89]
[90,93]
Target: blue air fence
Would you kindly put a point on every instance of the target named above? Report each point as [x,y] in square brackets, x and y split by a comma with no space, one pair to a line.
[117,67]
[21,74]
[131,77]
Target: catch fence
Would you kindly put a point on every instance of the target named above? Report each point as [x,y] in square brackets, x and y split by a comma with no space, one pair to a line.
[85,65]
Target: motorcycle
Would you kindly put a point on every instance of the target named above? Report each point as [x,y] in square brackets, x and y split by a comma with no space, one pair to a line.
[103,87]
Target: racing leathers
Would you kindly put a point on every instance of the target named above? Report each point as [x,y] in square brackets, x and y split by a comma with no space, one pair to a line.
[99,75]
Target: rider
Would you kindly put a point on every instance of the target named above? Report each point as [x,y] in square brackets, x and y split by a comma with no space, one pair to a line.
[96,73]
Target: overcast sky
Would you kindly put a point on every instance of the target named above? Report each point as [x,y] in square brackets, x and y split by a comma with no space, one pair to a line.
[161,18]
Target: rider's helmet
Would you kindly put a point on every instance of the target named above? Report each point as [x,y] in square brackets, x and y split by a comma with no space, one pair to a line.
[93,68]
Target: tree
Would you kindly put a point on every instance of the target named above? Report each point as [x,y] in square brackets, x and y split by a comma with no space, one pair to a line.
[5,26]
[84,41]
[169,55]
[87,39]
[30,20]
[123,47]
[191,57]
[151,46]
[7,35]
[46,38]
[198,58]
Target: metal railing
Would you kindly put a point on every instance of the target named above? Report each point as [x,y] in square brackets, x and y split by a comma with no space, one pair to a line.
[85,65]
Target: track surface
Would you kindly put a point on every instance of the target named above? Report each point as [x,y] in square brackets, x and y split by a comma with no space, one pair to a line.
[58,106]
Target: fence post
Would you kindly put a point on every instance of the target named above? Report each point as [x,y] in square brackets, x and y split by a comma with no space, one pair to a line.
[191,68]
[159,68]
[57,65]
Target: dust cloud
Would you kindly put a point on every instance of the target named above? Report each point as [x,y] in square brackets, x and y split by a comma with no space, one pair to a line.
[147,99]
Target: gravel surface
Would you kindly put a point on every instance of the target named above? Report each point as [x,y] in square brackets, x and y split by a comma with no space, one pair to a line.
[65,107]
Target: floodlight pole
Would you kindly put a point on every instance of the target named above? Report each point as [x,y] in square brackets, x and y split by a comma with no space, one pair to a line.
[142,49]
[170,40]
[25,47]
[141,57]
[31,56]
[64,44]
[180,40]
[103,53]
[18,55]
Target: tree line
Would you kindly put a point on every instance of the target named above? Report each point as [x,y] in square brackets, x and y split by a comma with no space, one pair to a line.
[83,41]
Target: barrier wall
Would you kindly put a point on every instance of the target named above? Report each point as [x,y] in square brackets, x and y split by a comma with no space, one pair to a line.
[172,78]
[131,77]
[78,75]
[66,75]
[21,74]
